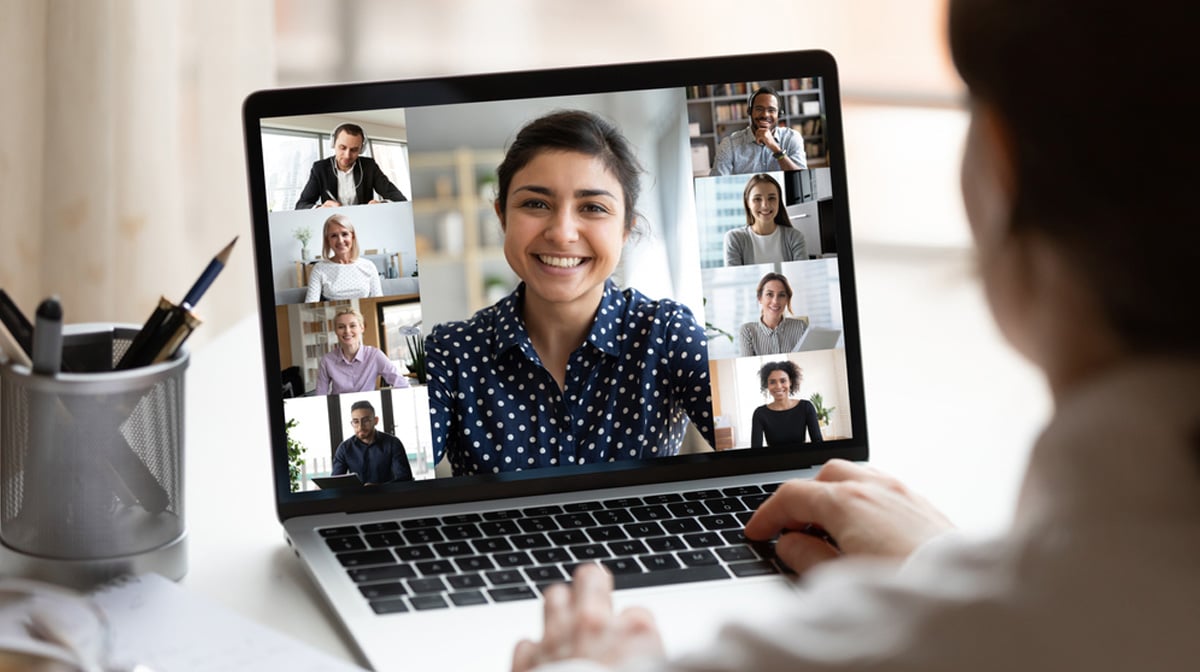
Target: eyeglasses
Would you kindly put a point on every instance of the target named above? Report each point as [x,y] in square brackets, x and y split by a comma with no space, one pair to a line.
[355,422]
[759,109]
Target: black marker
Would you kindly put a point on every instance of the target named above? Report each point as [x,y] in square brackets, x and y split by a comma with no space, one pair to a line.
[18,325]
[48,338]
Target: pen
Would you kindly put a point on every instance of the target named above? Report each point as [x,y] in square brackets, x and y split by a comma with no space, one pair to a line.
[48,337]
[206,278]
[18,325]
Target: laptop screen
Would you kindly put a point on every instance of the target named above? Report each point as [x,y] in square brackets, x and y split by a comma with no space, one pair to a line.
[528,282]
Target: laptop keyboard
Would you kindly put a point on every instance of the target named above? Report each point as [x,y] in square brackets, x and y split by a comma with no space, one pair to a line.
[514,554]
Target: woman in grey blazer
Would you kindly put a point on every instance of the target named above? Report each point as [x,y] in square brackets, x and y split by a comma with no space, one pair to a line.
[768,235]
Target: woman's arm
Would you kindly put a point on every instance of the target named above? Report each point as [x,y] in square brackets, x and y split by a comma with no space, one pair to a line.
[316,276]
[374,287]
[691,383]
[733,249]
[797,249]
[442,397]
[746,340]
[757,428]
[387,369]
[811,421]
[323,380]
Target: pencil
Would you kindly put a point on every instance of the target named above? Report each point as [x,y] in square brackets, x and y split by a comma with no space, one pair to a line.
[206,278]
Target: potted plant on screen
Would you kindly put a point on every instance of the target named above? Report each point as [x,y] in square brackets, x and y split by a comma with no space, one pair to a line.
[295,451]
[823,413]
[302,234]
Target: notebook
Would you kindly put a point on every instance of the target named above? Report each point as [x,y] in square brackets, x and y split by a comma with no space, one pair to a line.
[386,277]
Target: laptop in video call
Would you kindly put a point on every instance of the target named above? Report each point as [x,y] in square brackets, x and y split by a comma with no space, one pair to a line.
[430,471]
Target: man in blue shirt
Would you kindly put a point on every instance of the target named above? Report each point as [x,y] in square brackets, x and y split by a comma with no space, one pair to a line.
[377,457]
[763,146]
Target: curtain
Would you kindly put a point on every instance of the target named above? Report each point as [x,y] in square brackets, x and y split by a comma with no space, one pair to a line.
[123,171]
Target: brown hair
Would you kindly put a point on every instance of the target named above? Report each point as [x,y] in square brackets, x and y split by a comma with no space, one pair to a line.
[781,217]
[778,277]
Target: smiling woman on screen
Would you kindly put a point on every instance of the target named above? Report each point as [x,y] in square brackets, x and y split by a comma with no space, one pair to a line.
[568,369]
[341,273]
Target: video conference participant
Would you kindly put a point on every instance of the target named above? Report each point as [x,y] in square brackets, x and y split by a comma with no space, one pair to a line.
[783,420]
[1057,589]
[568,369]
[341,273]
[352,366]
[772,333]
[768,236]
[377,457]
[763,145]
[346,178]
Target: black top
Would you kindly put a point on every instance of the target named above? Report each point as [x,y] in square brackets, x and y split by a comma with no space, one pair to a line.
[381,462]
[323,185]
[785,428]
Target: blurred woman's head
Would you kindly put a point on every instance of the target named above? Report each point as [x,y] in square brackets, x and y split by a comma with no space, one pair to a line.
[763,200]
[1055,162]
[338,239]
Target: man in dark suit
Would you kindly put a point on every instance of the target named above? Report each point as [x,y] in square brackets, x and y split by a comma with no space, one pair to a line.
[347,178]
[376,457]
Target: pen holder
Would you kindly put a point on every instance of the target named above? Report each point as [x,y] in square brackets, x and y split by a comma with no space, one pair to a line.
[91,464]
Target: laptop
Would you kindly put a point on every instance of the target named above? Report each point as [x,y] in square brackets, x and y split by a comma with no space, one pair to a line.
[445,565]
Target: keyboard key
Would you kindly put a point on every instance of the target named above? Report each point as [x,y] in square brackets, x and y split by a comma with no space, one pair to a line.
[424,586]
[551,555]
[610,533]
[436,567]
[589,552]
[576,507]
[464,581]
[725,505]
[771,487]
[664,544]
[516,559]
[363,558]
[423,535]
[668,577]
[382,573]
[665,498]
[622,503]
[642,530]
[380,590]
[538,511]
[548,574]
[500,528]
[425,602]
[452,549]
[757,568]
[568,537]
[461,519]
[659,562]
[389,606]
[645,513]
[337,531]
[492,545]
[744,516]
[574,520]
[468,598]
[530,541]
[345,544]
[698,558]
[385,539]
[467,531]
[542,524]
[503,514]
[752,502]
[741,490]
[623,566]
[735,536]
[702,494]
[380,527]
[420,522]
[474,563]
[720,522]
[736,553]
[612,517]
[703,540]
[681,526]
[627,547]
[512,594]
[505,576]
[686,509]
[414,553]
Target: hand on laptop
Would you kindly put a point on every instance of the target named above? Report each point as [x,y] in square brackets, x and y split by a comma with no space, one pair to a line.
[580,623]
[865,511]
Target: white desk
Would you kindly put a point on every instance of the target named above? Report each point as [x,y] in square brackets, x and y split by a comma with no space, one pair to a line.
[950,410]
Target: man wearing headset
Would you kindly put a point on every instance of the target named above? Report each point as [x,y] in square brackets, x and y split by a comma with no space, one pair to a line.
[347,178]
[761,147]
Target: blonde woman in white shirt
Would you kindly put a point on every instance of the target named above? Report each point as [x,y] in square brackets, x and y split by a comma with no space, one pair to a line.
[341,273]
[1090,274]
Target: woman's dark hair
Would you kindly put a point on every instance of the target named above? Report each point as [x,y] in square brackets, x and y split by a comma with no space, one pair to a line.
[778,277]
[574,131]
[1095,96]
[781,218]
[794,374]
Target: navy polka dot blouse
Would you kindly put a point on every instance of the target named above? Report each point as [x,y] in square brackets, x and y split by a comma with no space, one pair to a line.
[630,387]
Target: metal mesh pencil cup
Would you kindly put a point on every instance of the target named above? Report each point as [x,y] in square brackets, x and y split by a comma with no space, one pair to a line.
[91,464]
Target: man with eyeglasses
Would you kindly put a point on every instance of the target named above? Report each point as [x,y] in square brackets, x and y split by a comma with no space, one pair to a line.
[377,457]
[761,147]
